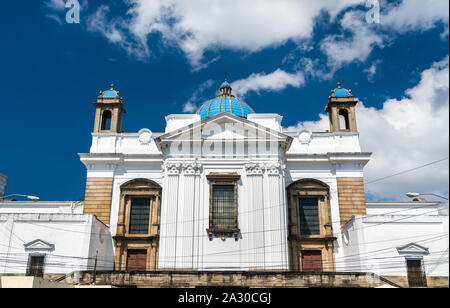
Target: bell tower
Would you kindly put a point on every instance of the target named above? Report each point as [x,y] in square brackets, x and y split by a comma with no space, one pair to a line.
[341,110]
[109,112]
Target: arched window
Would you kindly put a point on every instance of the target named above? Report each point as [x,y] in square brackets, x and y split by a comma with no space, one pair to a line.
[106,120]
[138,222]
[344,123]
[310,228]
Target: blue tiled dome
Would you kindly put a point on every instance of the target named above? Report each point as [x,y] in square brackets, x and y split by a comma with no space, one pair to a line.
[111,93]
[228,104]
[225,102]
[341,92]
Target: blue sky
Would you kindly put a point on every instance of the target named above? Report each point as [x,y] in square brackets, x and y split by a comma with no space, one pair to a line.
[285,57]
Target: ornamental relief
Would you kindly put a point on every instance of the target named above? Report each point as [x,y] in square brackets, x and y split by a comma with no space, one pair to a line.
[274,169]
[254,169]
[192,168]
[173,168]
[259,169]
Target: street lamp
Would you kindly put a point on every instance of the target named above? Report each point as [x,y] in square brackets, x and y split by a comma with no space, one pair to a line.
[32,198]
[415,195]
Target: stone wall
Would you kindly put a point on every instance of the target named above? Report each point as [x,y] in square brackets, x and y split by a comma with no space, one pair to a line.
[98,198]
[352,200]
[432,282]
[179,279]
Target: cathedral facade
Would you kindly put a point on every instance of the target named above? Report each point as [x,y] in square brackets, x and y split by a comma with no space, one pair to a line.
[225,189]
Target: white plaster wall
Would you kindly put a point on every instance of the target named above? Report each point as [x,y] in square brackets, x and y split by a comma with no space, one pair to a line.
[270,120]
[176,121]
[69,233]
[405,208]
[42,207]
[320,143]
[184,242]
[374,239]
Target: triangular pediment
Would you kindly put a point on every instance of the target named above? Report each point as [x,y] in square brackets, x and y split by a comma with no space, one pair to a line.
[38,245]
[224,126]
[412,248]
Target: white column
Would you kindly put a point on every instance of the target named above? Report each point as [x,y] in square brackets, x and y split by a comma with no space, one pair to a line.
[256,230]
[169,209]
[274,215]
[186,219]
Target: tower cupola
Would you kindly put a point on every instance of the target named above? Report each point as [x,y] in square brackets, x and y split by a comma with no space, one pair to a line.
[341,110]
[109,112]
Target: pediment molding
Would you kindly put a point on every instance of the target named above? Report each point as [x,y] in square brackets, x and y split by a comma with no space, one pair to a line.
[412,248]
[199,128]
[39,244]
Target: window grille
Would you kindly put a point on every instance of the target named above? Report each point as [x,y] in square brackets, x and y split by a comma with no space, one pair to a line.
[223,207]
[416,275]
[139,215]
[36,266]
[309,216]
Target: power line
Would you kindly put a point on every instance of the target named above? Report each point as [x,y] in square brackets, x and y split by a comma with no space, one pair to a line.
[405,171]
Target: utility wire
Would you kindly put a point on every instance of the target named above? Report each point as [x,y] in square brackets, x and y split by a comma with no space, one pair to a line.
[406,171]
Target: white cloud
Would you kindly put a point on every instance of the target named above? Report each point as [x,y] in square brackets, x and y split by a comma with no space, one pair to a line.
[416,15]
[408,15]
[372,70]
[405,134]
[57,5]
[200,25]
[275,81]
[341,49]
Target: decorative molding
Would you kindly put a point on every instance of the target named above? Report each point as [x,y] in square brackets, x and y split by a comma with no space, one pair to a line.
[274,169]
[413,249]
[173,168]
[254,169]
[304,136]
[39,244]
[193,168]
[145,136]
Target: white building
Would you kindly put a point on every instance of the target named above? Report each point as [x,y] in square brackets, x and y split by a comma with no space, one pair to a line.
[226,189]
[44,238]
[398,240]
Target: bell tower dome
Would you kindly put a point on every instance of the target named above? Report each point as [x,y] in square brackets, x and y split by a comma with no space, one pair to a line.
[109,112]
[341,110]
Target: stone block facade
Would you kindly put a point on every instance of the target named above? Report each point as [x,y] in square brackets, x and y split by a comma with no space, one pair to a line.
[352,200]
[190,279]
[98,198]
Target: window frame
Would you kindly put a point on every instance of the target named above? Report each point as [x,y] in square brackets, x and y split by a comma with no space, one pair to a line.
[29,269]
[319,199]
[129,212]
[225,179]
[422,270]
[128,200]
